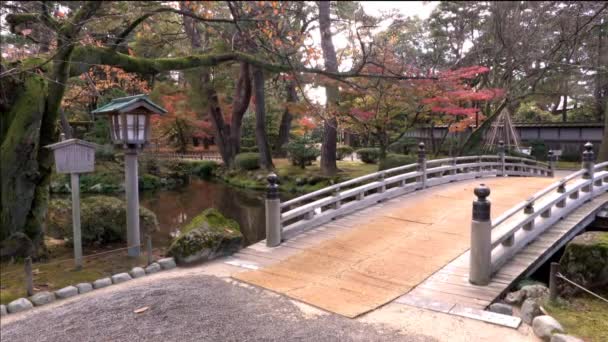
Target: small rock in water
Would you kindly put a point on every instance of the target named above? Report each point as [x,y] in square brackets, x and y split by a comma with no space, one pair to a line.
[84,288]
[153,268]
[565,338]
[66,292]
[120,278]
[501,308]
[515,297]
[103,282]
[535,291]
[19,305]
[3,311]
[42,298]
[167,263]
[137,272]
[530,309]
[545,326]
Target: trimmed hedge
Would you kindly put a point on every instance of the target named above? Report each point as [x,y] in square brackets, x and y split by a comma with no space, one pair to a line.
[204,168]
[247,161]
[369,155]
[343,151]
[245,149]
[394,160]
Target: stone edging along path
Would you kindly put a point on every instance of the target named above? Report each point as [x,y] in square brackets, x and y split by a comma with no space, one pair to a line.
[45,297]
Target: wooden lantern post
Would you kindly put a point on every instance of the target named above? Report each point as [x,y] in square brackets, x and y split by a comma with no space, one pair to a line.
[130,128]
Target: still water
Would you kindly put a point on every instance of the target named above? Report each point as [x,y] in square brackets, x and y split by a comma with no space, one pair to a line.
[175,208]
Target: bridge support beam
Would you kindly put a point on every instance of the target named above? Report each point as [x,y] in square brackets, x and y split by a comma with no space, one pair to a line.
[480,267]
[273,212]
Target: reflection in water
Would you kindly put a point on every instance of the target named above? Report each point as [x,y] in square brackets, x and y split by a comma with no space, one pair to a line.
[174,208]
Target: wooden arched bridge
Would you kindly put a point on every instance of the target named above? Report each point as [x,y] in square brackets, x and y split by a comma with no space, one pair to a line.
[411,234]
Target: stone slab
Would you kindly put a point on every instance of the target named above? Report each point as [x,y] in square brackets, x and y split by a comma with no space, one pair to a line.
[101,283]
[42,298]
[137,272]
[120,278]
[84,288]
[153,268]
[167,263]
[66,292]
[19,305]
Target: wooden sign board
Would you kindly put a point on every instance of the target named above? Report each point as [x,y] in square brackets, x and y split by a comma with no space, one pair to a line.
[74,156]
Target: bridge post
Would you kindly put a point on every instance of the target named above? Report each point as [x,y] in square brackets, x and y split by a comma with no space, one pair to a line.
[273,212]
[529,209]
[552,159]
[588,165]
[480,263]
[422,164]
[501,156]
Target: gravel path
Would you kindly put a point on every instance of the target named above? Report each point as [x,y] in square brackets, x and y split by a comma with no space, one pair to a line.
[189,308]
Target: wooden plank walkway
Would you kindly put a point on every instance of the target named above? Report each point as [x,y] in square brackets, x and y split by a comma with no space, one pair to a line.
[377,254]
[448,290]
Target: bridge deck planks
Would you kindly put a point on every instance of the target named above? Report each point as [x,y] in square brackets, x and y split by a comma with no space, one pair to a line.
[449,286]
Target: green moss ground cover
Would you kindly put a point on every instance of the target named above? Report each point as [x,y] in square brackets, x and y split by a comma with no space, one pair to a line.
[584,316]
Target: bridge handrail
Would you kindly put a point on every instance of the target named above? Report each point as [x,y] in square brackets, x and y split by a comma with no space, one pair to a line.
[382,174]
[323,205]
[530,200]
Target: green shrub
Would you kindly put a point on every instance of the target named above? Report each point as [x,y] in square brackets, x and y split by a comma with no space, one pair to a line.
[369,155]
[103,220]
[302,151]
[539,149]
[101,182]
[104,152]
[149,182]
[394,160]
[404,145]
[204,169]
[570,156]
[343,151]
[247,161]
[246,149]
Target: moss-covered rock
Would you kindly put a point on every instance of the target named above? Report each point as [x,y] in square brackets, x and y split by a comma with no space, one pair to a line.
[207,236]
[103,219]
[585,262]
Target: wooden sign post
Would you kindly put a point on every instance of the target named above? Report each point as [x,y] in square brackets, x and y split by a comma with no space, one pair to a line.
[74,156]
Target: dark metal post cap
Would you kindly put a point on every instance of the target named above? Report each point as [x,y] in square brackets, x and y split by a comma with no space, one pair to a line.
[482,191]
[481,207]
[501,143]
[272,178]
[421,146]
[273,188]
[589,146]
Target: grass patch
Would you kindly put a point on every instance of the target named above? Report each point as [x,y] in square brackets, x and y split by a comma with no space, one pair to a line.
[294,179]
[59,271]
[584,316]
[566,165]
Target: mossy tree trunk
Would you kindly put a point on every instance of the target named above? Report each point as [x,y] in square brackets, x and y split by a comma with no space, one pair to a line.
[261,135]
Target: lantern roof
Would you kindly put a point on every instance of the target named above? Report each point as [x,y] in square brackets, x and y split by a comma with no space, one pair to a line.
[70,142]
[129,103]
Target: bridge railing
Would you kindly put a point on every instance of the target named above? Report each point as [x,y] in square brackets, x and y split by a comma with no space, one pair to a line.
[494,242]
[284,220]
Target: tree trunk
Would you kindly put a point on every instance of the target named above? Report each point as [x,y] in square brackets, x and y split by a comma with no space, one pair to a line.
[227,136]
[32,124]
[285,127]
[65,125]
[328,149]
[260,119]
[476,136]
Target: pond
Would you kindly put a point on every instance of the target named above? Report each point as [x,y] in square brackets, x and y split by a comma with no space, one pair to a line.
[175,208]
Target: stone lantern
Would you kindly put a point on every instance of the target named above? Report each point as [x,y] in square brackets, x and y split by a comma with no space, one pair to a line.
[130,128]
